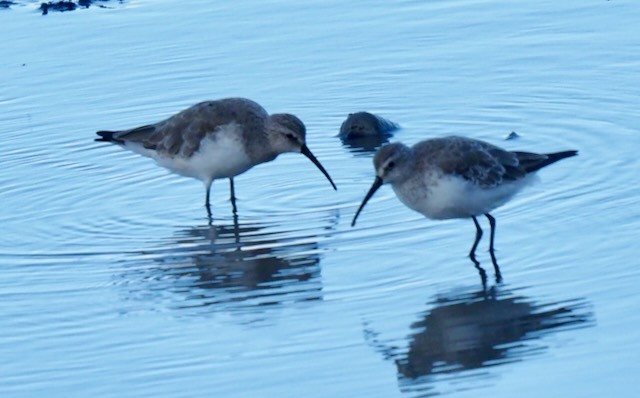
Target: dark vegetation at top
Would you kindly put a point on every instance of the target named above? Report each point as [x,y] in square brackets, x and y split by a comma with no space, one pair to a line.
[61,6]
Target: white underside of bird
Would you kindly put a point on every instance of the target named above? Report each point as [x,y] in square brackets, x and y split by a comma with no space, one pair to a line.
[449,196]
[219,156]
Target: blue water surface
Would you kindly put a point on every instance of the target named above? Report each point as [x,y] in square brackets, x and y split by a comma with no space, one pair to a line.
[113,283]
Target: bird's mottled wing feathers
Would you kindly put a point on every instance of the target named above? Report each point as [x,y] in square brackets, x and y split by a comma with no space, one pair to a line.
[182,133]
[479,162]
[531,161]
[138,134]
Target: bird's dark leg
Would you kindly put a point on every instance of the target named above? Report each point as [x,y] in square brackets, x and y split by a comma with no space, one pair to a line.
[472,253]
[236,230]
[207,205]
[236,226]
[492,222]
[232,189]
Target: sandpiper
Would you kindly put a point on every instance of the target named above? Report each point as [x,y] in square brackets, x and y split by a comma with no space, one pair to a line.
[457,177]
[365,124]
[365,132]
[217,139]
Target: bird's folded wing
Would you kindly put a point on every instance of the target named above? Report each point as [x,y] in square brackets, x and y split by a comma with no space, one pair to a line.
[182,133]
[531,161]
[478,162]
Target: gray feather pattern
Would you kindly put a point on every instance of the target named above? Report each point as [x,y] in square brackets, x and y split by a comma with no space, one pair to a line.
[483,164]
[182,133]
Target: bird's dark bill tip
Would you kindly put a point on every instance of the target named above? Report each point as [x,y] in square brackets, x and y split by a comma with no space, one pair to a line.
[374,187]
[307,152]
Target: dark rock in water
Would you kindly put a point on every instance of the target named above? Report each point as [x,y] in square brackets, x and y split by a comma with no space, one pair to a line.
[57,6]
[62,6]
[6,4]
[361,124]
[513,136]
[366,132]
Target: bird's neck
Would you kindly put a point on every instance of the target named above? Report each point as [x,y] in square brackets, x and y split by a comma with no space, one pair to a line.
[265,154]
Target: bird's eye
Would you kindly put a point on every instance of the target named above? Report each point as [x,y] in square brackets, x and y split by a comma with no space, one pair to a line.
[391,165]
[291,137]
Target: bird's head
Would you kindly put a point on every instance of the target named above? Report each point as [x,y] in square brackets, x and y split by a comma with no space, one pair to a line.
[287,133]
[393,164]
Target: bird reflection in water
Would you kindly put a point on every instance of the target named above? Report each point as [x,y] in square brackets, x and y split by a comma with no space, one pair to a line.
[364,132]
[473,331]
[238,265]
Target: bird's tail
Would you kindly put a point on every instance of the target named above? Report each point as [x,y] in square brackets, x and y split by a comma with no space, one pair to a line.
[554,157]
[106,136]
[532,162]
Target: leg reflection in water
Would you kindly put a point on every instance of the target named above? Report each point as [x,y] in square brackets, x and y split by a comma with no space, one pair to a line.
[234,265]
[460,333]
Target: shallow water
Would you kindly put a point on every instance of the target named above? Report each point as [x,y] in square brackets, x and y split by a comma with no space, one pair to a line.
[112,283]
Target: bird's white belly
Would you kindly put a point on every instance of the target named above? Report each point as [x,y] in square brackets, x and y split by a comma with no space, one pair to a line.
[221,157]
[454,197]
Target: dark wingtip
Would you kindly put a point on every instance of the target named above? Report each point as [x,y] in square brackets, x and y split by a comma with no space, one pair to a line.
[105,136]
[562,155]
[550,159]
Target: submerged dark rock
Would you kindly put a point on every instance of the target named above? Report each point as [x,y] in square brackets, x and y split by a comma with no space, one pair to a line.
[57,6]
[6,4]
[366,132]
[513,136]
[63,6]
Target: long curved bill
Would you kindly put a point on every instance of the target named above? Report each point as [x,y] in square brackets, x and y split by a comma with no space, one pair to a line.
[376,184]
[306,152]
